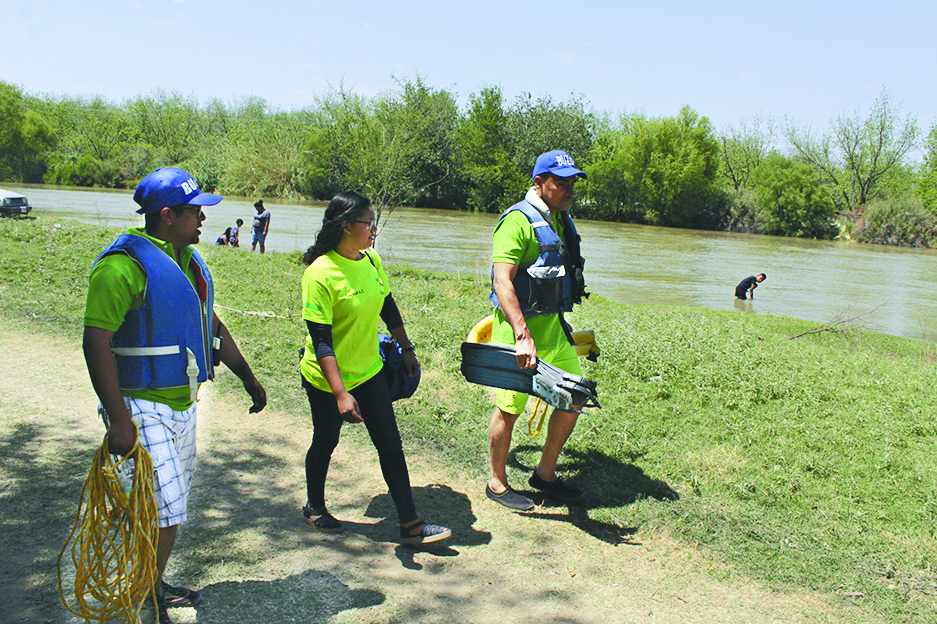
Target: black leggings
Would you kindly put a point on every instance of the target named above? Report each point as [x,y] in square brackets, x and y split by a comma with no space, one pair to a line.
[378,413]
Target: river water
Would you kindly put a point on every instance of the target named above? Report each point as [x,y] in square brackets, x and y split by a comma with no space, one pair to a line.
[894,289]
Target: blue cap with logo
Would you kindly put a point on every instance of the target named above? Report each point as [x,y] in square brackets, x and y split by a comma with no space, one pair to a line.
[170,186]
[557,162]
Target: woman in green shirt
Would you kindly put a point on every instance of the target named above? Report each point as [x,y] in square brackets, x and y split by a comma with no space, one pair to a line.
[345,291]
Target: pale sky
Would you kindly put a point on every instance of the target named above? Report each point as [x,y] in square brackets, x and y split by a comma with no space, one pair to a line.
[807,61]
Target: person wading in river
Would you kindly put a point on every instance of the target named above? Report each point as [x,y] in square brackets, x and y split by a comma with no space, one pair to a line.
[748,285]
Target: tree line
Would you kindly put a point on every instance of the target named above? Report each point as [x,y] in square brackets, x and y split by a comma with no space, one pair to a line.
[413,145]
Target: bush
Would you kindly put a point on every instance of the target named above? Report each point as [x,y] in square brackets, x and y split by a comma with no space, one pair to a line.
[791,201]
[662,172]
[900,221]
[742,212]
[208,165]
[86,171]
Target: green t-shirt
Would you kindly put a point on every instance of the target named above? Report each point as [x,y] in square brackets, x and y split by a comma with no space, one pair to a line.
[516,243]
[348,295]
[116,286]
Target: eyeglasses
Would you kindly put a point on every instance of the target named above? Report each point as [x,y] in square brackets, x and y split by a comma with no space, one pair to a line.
[372,224]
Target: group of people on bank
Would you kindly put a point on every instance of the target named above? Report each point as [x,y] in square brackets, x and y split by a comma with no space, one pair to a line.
[261,225]
[151,337]
[150,290]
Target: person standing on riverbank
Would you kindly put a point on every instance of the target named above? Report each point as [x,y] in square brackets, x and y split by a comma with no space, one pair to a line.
[529,315]
[148,289]
[345,292]
[261,226]
[748,285]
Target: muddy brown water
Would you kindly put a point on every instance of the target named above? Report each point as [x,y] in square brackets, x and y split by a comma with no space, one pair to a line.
[892,288]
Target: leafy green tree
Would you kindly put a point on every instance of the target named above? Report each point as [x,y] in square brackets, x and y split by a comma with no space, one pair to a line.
[663,172]
[858,156]
[231,142]
[318,181]
[169,124]
[427,120]
[741,211]
[537,126]
[395,147]
[11,130]
[93,126]
[791,201]
[248,119]
[608,191]
[927,185]
[743,149]
[85,170]
[38,138]
[271,163]
[366,157]
[210,158]
[484,146]
[210,163]
[26,137]
[217,119]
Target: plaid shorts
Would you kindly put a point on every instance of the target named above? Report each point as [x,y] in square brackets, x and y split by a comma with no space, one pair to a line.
[169,438]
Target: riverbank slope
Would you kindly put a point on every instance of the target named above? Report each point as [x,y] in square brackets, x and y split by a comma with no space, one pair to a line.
[794,466]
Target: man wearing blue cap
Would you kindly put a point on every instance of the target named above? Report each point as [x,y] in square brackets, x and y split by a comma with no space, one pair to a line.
[536,277]
[150,338]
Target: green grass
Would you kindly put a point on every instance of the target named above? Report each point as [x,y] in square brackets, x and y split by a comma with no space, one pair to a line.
[806,462]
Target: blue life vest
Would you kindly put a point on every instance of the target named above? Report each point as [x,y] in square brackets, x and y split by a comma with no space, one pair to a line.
[554,282]
[168,342]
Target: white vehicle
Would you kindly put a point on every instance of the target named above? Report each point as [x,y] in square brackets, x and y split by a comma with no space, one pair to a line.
[13,204]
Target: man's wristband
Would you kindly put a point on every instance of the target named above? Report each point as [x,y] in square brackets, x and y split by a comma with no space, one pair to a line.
[410,348]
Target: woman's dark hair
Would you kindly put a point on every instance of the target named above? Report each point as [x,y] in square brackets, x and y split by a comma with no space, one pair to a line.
[227,232]
[343,208]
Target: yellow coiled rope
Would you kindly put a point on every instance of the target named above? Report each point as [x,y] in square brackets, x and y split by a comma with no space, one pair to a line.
[113,541]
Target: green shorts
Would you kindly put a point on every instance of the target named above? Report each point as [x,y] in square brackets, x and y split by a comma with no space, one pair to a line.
[564,357]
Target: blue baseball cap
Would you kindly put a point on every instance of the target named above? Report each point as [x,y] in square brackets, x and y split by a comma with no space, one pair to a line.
[557,162]
[170,186]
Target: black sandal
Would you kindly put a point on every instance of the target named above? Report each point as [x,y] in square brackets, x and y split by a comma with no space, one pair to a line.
[323,521]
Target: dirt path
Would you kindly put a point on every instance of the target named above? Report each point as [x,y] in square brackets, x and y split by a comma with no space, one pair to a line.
[246,547]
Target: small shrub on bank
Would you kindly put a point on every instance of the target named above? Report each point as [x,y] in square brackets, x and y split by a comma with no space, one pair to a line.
[897,221]
[85,171]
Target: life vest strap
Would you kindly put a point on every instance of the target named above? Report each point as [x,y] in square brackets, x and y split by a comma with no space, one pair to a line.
[192,372]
